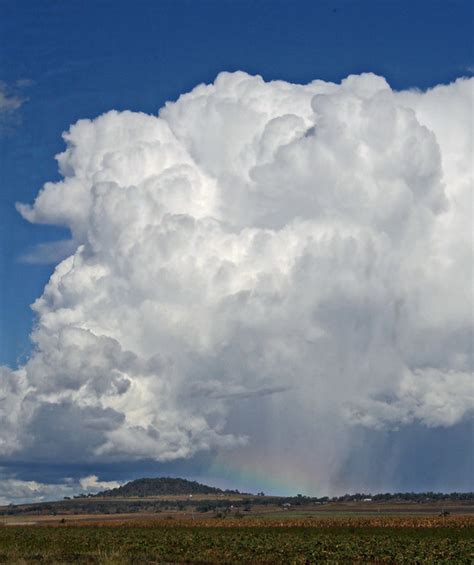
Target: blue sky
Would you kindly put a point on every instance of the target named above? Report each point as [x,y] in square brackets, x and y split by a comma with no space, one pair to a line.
[72,60]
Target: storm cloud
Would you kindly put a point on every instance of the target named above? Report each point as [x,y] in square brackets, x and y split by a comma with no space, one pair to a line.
[262,263]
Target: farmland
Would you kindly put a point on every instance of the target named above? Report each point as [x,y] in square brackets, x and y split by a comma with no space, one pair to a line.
[337,539]
[125,526]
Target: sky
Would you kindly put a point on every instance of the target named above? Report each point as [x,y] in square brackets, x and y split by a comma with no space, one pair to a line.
[284,294]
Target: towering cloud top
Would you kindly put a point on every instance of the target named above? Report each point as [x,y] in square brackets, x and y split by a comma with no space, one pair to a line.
[254,241]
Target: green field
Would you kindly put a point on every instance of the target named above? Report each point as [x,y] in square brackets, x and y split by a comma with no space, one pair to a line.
[177,543]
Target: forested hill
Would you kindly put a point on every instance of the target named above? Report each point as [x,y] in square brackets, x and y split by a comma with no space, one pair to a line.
[161,486]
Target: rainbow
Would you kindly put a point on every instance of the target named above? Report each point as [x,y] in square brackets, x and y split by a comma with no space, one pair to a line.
[253,473]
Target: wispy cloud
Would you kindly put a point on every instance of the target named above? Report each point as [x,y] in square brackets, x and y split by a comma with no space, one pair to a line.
[251,393]
[11,99]
[49,253]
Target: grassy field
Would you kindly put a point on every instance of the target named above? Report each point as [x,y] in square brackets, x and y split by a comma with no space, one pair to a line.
[253,540]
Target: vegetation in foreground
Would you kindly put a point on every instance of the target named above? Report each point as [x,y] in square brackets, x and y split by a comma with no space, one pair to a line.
[253,541]
[168,520]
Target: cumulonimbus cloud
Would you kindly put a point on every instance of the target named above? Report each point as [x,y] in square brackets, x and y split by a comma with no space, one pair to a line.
[253,238]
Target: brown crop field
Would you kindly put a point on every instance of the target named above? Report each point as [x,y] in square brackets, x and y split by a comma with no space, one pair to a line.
[338,539]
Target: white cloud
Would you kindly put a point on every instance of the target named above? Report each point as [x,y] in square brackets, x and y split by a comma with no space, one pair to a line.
[432,396]
[92,484]
[310,240]
[17,491]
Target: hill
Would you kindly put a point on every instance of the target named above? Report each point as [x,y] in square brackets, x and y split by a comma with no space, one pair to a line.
[161,486]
